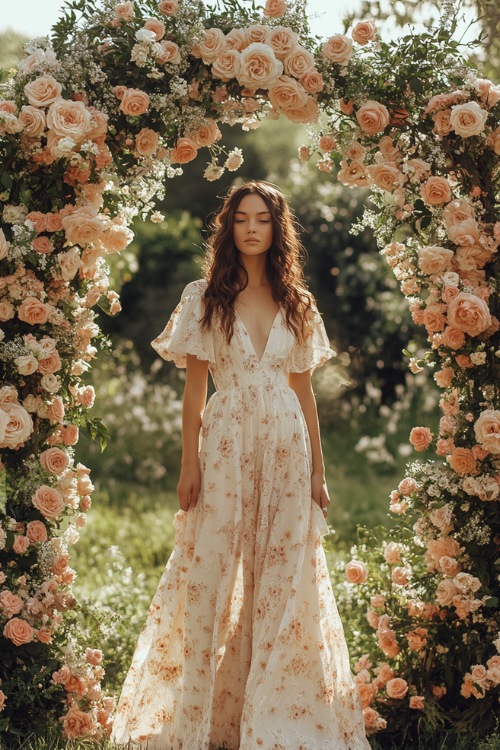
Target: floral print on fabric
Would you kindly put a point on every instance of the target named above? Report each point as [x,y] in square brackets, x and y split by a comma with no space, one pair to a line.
[243,643]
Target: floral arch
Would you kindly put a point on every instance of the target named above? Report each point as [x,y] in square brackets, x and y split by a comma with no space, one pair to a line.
[91,127]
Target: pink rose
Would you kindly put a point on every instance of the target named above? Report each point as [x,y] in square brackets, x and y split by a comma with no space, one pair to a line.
[16,425]
[274,8]
[356,572]
[469,313]
[487,430]
[54,461]
[134,102]
[372,117]
[21,544]
[420,438]
[18,631]
[364,32]
[32,120]
[259,67]
[69,119]
[185,150]
[33,311]
[338,49]
[468,119]
[397,688]
[227,65]
[43,91]
[435,191]
[48,501]
[36,532]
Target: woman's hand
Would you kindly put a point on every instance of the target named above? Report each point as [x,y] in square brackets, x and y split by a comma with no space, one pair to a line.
[319,491]
[188,486]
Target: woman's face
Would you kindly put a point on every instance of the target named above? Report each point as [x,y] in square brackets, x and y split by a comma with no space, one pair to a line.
[252,226]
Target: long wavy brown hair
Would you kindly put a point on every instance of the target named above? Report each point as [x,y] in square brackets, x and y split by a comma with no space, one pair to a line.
[227,277]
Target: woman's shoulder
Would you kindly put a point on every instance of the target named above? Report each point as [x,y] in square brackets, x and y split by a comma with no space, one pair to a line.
[195,288]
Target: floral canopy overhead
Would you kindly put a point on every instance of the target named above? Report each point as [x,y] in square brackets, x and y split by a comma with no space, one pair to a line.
[92,126]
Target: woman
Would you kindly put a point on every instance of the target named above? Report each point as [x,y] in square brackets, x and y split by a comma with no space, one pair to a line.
[243,645]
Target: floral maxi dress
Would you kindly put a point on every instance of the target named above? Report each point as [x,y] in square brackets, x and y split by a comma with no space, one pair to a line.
[243,645]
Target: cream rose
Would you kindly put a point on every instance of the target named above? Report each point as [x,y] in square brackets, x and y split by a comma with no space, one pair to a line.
[32,120]
[282,40]
[54,461]
[48,501]
[69,119]
[185,150]
[435,191]
[298,62]
[469,313]
[36,532]
[69,263]
[83,226]
[227,65]
[18,631]
[32,311]
[259,66]
[487,430]
[116,238]
[43,91]
[26,364]
[372,117]
[468,119]
[4,245]
[337,49]
[134,102]
[434,259]
[274,8]
[364,32]
[16,425]
[146,142]
[356,572]
[7,311]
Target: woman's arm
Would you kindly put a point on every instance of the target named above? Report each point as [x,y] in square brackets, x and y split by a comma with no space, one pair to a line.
[300,382]
[193,404]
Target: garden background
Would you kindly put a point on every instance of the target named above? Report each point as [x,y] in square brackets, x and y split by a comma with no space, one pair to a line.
[368,400]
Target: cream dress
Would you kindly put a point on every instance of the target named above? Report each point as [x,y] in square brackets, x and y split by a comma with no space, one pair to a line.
[243,646]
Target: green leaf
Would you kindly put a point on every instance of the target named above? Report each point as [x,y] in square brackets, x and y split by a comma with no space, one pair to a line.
[6,180]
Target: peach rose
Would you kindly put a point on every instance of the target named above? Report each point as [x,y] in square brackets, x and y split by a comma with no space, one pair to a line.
[157,27]
[146,142]
[338,49]
[69,263]
[386,176]
[36,532]
[407,486]
[10,603]
[435,191]
[32,311]
[4,245]
[274,8]
[388,642]
[442,124]
[468,119]
[83,226]
[434,317]
[434,259]
[326,144]
[70,434]
[259,67]
[50,363]
[43,91]
[356,572]
[469,313]
[353,174]
[298,62]
[392,553]
[234,160]
[54,460]
[18,631]
[453,338]
[372,117]
[69,120]
[449,566]
[125,11]
[458,211]
[420,438]
[445,592]
[287,93]
[462,461]
[444,377]
[237,39]
[213,45]
[116,238]
[309,112]
[465,232]
[364,32]
[469,258]
[32,120]
[76,723]
[42,245]
[397,688]
[487,430]
[313,82]
[169,53]
[282,40]
[16,425]
[21,544]
[227,65]
[37,218]
[93,656]
[48,501]
[185,150]
[417,702]
[401,575]
[168,7]
[134,102]
[207,134]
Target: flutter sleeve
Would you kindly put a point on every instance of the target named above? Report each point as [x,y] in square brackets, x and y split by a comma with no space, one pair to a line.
[314,349]
[183,333]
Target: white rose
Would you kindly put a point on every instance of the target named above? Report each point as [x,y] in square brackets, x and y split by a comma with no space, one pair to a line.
[50,383]
[468,119]
[145,35]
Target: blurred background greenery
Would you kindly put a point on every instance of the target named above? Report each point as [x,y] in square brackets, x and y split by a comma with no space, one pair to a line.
[367,399]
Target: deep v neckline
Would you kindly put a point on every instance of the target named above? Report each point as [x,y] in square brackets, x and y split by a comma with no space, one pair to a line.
[245,330]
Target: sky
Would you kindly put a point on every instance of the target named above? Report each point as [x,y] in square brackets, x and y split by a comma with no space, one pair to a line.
[35,17]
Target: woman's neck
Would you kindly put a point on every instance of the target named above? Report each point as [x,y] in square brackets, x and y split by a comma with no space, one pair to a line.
[256,268]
